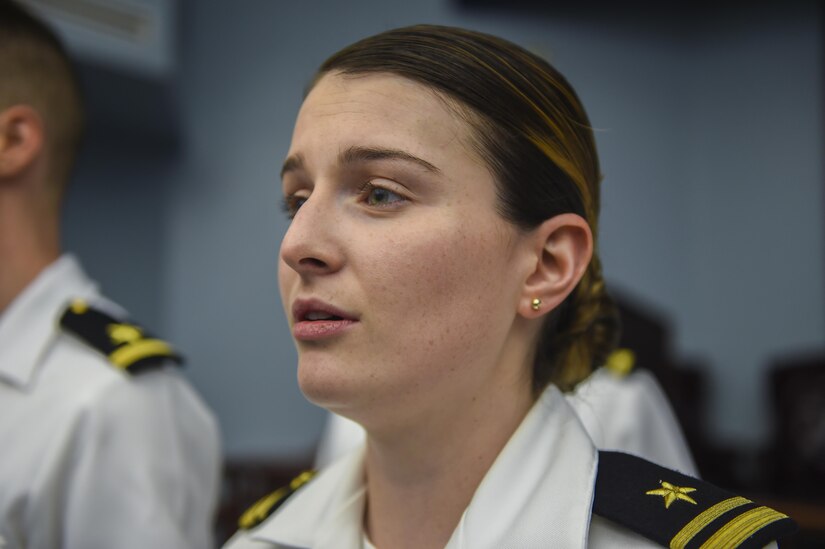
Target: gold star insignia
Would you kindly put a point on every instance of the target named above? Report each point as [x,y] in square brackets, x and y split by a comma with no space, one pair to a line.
[672,493]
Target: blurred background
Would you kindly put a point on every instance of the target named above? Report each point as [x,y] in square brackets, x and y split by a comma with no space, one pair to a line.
[711,129]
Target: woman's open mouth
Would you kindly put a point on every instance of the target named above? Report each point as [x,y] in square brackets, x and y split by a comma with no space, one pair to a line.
[315,319]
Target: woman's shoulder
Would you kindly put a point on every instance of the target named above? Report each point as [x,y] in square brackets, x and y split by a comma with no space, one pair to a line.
[634,497]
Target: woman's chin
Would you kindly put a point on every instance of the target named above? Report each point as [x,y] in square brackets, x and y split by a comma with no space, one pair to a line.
[326,387]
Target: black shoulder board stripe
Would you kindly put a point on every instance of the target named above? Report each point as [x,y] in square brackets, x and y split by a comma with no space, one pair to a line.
[267,505]
[126,345]
[680,511]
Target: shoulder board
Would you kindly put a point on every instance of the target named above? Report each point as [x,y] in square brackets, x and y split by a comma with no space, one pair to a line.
[127,346]
[268,504]
[680,511]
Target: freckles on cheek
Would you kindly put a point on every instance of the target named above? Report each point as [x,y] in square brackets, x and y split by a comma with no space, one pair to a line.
[449,270]
[445,272]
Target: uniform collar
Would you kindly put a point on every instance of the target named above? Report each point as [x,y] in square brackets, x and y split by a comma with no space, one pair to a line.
[538,493]
[327,513]
[29,323]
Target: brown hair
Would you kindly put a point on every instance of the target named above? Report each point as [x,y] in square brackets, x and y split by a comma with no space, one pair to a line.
[37,72]
[533,132]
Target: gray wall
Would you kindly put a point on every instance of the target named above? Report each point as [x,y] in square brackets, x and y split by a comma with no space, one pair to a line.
[711,138]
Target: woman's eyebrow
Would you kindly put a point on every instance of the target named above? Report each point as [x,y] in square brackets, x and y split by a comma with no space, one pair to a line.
[356,154]
[353,155]
[291,164]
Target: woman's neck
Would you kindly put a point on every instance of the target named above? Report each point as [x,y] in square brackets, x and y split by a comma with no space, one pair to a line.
[420,480]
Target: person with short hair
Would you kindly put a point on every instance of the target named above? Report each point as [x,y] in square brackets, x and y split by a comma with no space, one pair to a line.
[104,443]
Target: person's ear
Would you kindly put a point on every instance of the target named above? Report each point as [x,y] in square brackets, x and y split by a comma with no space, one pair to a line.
[22,137]
[562,247]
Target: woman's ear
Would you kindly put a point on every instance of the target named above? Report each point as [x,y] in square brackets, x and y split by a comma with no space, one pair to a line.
[22,137]
[562,247]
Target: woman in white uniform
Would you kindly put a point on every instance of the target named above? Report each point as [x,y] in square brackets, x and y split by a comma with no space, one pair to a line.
[442,286]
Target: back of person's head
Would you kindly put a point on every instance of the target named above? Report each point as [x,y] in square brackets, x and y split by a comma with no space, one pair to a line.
[37,72]
[534,134]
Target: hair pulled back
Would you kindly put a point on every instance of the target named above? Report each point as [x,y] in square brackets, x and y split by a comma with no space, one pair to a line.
[533,132]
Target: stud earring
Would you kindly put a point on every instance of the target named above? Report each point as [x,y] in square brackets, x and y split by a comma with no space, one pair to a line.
[536,304]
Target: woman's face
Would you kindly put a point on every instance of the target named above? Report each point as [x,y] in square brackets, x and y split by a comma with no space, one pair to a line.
[400,280]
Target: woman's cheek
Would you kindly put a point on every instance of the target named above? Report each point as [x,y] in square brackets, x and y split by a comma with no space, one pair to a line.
[441,271]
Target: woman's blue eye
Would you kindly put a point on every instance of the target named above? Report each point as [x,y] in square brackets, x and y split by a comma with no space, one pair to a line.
[379,196]
[292,204]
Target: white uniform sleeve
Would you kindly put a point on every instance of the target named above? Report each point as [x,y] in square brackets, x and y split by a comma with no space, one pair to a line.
[146,465]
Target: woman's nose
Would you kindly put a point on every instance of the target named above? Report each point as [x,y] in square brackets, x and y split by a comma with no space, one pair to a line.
[311,245]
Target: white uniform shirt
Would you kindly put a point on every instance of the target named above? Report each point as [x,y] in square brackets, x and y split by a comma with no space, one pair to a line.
[93,457]
[538,494]
[626,413]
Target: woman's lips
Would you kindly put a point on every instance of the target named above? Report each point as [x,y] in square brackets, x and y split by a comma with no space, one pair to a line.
[313,330]
[315,319]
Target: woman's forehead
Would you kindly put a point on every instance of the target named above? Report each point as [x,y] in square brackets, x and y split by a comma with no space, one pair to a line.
[381,106]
